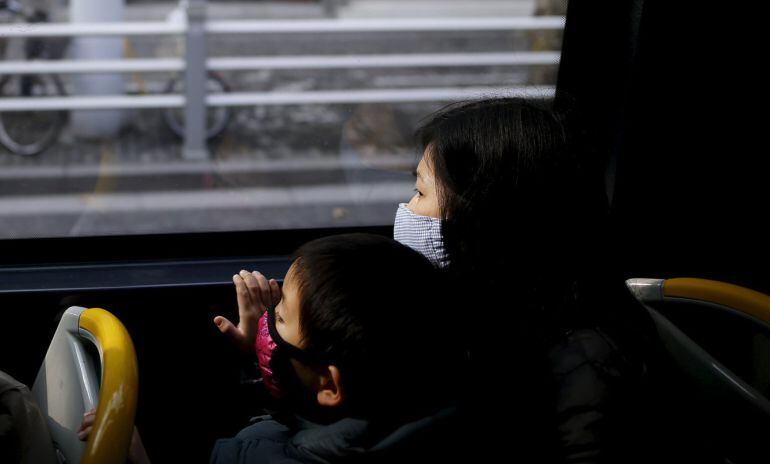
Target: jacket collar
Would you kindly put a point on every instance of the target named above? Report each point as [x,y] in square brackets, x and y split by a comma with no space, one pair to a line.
[354,437]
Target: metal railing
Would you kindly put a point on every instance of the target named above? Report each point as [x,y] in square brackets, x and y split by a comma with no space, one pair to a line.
[412,60]
[195,64]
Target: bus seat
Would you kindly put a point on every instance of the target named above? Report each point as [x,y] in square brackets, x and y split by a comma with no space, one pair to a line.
[90,363]
[718,336]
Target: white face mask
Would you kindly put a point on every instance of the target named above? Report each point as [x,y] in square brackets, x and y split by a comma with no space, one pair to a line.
[420,233]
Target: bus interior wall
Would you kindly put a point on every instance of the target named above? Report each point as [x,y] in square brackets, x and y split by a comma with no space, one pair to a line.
[675,107]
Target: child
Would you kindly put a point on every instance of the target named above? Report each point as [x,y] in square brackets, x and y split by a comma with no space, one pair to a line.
[358,350]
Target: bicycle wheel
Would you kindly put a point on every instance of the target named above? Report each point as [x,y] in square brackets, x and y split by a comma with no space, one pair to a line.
[217,118]
[29,133]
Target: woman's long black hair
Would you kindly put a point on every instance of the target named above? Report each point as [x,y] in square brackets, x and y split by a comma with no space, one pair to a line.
[523,211]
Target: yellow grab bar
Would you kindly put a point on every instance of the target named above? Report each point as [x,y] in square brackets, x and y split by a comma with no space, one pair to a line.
[738,298]
[114,423]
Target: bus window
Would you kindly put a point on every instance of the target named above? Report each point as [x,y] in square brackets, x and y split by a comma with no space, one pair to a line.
[311,106]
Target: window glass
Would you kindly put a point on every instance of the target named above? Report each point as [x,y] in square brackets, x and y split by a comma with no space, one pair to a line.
[322,100]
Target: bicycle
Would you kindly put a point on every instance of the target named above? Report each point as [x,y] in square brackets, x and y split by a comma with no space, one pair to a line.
[32,132]
[29,133]
[217,119]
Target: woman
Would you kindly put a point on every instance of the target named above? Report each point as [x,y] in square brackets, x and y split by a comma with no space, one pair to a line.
[503,198]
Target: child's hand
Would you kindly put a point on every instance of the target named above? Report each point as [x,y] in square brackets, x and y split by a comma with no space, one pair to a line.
[255,293]
[88,423]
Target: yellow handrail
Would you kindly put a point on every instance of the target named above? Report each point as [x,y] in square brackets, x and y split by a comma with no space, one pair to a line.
[738,298]
[114,423]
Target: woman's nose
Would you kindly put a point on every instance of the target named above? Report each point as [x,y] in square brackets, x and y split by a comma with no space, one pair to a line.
[412,202]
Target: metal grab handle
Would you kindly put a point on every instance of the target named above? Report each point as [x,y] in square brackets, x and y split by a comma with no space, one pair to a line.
[113,427]
[740,299]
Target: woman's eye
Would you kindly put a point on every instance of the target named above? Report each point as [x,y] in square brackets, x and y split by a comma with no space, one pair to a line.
[419,193]
[278,318]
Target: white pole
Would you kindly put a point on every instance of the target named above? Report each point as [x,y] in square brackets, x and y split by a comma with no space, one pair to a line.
[195,82]
[102,123]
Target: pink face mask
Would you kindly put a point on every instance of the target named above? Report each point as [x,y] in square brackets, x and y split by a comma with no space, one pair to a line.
[273,355]
[265,348]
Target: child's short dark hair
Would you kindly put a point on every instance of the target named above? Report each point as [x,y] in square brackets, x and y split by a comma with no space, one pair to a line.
[380,311]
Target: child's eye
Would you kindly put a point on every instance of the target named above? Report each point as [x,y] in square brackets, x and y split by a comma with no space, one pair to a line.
[419,193]
[278,318]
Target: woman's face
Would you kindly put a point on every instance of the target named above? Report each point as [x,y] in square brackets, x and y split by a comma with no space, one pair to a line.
[425,200]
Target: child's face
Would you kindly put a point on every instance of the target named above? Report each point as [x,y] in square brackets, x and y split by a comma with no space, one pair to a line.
[322,381]
[287,311]
[425,200]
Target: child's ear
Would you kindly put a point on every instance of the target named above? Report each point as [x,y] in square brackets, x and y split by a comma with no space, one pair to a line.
[330,393]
